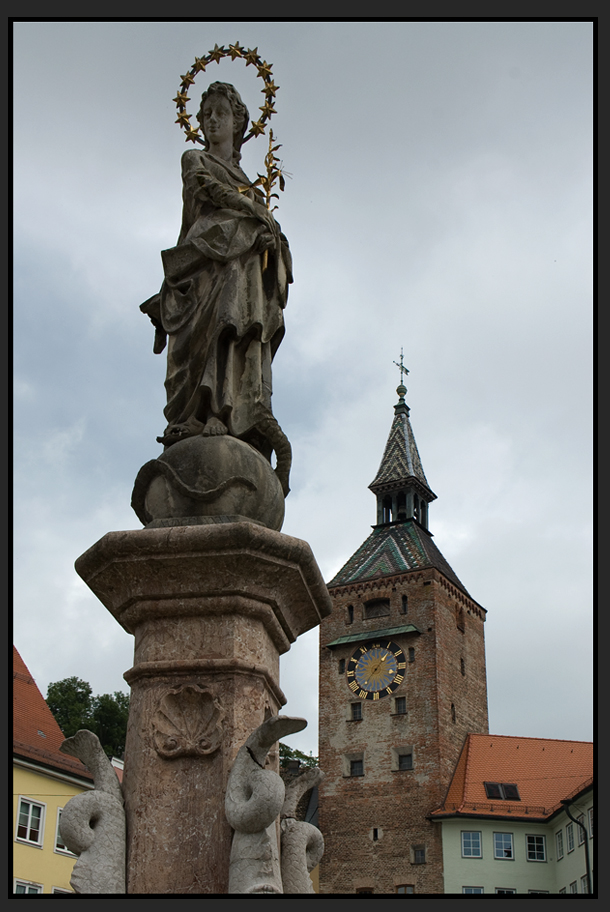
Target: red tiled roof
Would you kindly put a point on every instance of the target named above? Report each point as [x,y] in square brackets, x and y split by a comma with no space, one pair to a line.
[544,770]
[36,734]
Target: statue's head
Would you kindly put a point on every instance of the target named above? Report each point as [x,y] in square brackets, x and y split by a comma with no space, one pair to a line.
[238,108]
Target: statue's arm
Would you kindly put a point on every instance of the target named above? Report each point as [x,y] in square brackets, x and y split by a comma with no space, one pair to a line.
[201,185]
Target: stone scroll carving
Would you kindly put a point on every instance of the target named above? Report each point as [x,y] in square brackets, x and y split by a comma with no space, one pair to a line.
[302,844]
[255,796]
[92,824]
[187,723]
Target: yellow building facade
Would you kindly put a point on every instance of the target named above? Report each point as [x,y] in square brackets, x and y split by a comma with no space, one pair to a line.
[41,863]
[44,780]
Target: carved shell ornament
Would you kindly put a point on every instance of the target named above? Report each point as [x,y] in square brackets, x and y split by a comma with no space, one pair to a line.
[257,128]
[187,723]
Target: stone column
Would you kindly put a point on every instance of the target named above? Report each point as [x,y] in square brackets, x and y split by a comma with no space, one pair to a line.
[211,607]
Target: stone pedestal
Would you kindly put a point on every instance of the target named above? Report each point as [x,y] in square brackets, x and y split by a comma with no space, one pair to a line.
[211,608]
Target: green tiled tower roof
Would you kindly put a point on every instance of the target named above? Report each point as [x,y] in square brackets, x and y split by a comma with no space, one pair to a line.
[401,457]
[400,542]
[392,549]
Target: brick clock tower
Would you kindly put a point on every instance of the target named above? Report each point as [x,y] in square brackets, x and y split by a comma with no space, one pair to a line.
[402,682]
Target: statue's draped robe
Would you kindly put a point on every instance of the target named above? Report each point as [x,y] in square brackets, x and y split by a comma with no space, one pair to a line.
[222,313]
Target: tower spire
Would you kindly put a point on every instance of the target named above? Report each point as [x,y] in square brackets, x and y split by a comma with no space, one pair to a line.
[400,485]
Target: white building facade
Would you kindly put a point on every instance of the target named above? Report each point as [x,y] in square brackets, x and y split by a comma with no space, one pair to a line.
[506,855]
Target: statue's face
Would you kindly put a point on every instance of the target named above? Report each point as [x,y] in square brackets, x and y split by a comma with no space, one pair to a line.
[218,123]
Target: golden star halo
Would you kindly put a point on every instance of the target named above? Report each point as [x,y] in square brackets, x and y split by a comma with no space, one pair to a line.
[234,51]
[257,128]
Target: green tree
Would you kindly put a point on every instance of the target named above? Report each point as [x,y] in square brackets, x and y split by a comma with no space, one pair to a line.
[71,703]
[291,753]
[109,716]
[74,707]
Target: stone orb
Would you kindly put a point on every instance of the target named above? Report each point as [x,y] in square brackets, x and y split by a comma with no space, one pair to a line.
[209,479]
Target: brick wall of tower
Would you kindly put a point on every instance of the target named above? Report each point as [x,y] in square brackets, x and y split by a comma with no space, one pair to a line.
[396,803]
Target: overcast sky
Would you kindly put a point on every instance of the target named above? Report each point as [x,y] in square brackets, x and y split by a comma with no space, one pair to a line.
[440,200]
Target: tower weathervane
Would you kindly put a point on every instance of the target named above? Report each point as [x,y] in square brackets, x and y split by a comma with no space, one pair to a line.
[401,367]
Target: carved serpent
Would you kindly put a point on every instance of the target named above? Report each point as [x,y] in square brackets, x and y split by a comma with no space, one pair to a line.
[92,824]
[254,799]
[302,843]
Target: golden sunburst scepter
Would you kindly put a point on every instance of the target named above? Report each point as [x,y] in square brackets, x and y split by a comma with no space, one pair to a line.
[274,173]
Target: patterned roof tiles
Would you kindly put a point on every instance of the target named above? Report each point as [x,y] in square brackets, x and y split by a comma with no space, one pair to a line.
[401,457]
[393,549]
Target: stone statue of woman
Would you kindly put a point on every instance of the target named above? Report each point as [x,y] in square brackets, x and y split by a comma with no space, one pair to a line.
[220,308]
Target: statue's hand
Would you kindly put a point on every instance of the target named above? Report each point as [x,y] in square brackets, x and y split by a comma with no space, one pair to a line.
[263,242]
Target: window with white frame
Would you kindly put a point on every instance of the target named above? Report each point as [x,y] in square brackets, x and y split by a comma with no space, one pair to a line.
[590,823]
[503,845]
[573,887]
[559,844]
[540,892]
[59,843]
[584,884]
[30,822]
[563,889]
[535,848]
[505,890]
[26,886]
[472,889]
[582,829]
[570,837]
[471,844]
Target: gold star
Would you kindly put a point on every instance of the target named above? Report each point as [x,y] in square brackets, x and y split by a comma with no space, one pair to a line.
[187,80]
[181,99]
[258,128]
[191,134]
[183,118]
[200,64]
[235,50]
[268,109]
[264,69]
[218,53]
[252,56]
[270,88]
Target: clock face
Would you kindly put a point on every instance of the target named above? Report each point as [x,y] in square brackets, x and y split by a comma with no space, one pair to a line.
[376,670]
